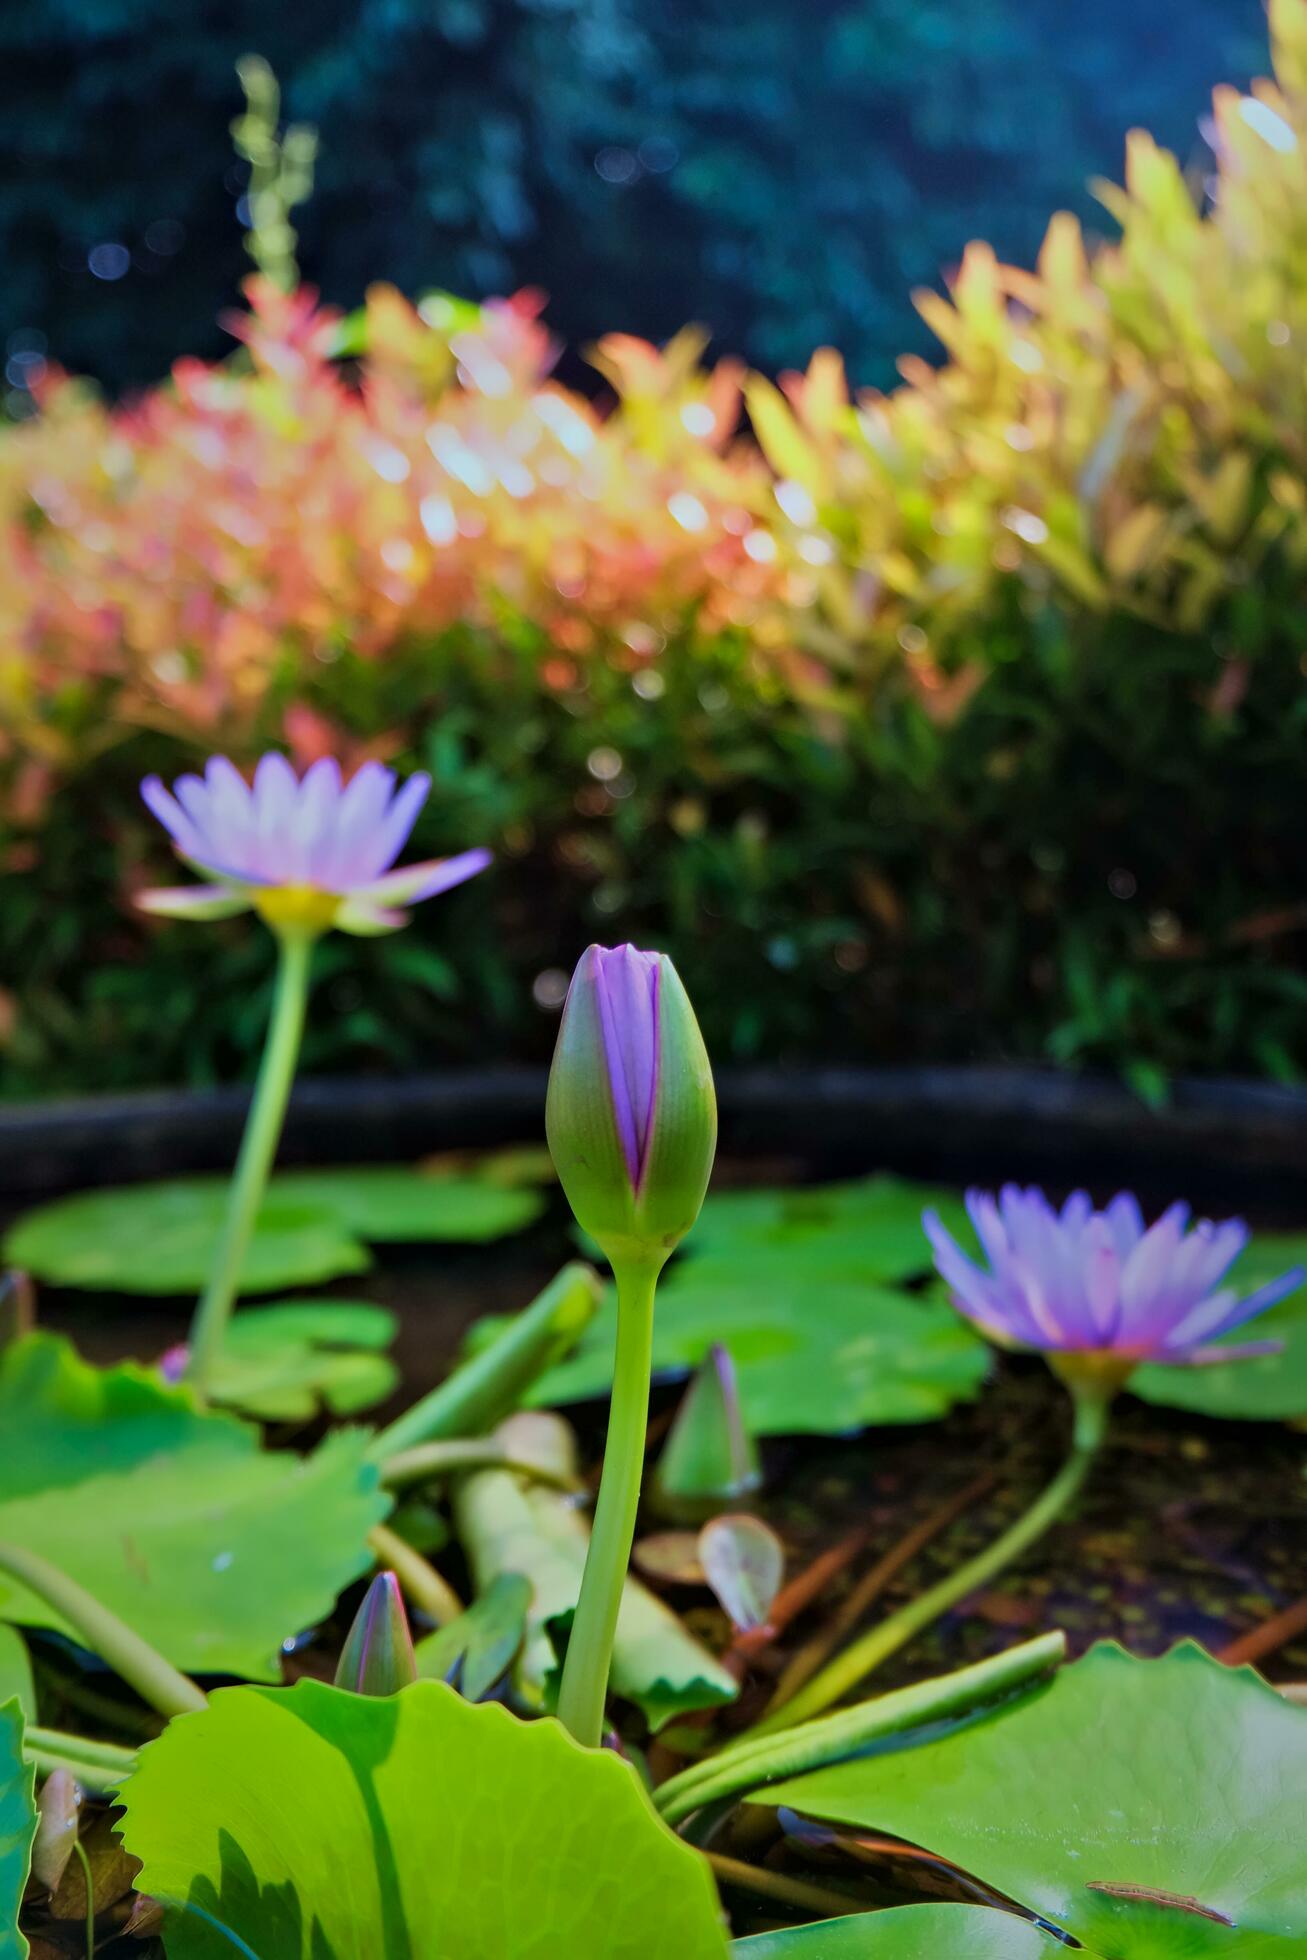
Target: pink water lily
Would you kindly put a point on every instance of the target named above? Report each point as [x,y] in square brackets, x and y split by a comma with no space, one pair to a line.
[1081,1281]
[312,851]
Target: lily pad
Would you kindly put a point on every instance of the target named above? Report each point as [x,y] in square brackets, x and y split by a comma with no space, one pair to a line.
[314,1823]
[907,1933]
[17,1828]
[1267,1387]
[1152,1808]
[869,1229]
[390,1202]
[214,1549]
[815,1355]
[284,1362]
[161,1238]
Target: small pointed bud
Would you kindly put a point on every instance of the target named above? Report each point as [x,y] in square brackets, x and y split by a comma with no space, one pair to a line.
[377,1658]
[59,1812]
[709,1458]
[744,1562]
[631,1115]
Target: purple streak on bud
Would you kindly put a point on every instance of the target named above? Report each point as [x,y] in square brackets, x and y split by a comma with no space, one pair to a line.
[173,1363]
[626,984]
[377,1658]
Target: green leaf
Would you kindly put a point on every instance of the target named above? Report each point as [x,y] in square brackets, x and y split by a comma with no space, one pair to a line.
[384,1203]
[315,1823]
[214,1549]
[907,1933]
[161,1238]
[1178,1779]
[1267,1387]
[866,1230]
[284,1362]
[16,1682]
[483,1642]
[811,1354]
[17,1828]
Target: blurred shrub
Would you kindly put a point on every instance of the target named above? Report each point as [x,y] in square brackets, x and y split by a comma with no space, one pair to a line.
[966,721]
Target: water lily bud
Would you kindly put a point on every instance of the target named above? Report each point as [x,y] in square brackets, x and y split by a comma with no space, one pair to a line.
[377,1658]
[631,1114]
[59,1811]
[709,1457]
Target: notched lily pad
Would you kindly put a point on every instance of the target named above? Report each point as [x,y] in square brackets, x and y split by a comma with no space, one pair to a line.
[250,1812]
[214,1549]
[1152,1808]
[284,1362]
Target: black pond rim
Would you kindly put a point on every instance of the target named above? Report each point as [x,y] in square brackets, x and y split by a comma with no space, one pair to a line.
[1229,1143]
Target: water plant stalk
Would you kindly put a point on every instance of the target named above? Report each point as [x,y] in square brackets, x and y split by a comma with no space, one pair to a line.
[155,1679]
[101,1767]
[857,1661]
[756,1759]
[258,1148]
[584,1685]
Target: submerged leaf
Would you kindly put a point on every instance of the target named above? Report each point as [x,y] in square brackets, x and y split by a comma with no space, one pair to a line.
[214,1549]
[312,1823]
[1149,1807]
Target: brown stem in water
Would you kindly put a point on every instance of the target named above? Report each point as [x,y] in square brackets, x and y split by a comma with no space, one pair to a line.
[1268,1637]
[812,1657]
[768,1884]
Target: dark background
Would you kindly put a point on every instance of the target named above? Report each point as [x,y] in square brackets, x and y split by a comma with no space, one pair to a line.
[784,171]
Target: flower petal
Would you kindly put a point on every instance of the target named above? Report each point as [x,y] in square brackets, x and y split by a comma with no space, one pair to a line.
[367,921]
[171,815]
[414,882]
[195,902]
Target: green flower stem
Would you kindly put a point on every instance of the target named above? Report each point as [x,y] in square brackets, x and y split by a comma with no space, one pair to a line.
[876,1646]
[757,1760]
[258,1148]
[98,1778]
[492,1383]
[584,1686]
[155,1680]
[74,1749]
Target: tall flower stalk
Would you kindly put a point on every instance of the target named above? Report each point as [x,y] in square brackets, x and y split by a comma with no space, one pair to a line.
[1098,1294]
[307,855]
[632,1124]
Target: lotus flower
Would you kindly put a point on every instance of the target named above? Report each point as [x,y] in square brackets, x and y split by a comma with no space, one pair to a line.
[631,1115]
[1101,1284]
[305,854]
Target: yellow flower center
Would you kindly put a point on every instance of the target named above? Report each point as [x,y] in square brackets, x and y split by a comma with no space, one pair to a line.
[296,905]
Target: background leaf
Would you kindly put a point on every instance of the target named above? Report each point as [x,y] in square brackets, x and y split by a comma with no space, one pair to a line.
[1175,1775]
[160,1238]
[1267,1387]
[213,1548]
[418,1827]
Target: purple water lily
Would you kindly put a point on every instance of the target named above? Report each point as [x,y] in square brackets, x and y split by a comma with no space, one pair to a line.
[1081,1281]
[313,851]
